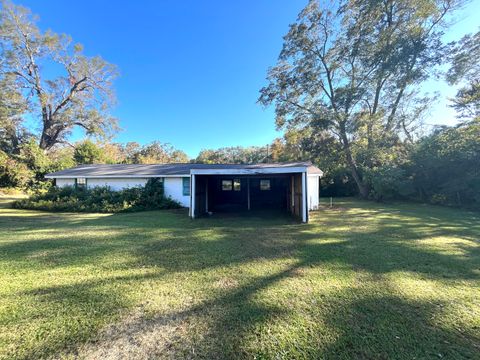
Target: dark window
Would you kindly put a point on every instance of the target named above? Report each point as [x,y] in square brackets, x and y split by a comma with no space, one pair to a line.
[186,186]
[80,182]
[265,185]
[236,185]
[227,185]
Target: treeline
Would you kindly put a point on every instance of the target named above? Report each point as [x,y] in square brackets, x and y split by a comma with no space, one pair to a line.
[349,85]
[24,165]
[346,92]
[441,168]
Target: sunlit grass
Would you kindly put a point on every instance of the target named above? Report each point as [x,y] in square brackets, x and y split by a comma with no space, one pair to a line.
[362,280]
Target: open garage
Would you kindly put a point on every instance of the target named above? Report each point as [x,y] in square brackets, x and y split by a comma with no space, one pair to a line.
[293,190]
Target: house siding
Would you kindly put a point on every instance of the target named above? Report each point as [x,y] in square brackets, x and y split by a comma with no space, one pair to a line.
[65,182]
[173,185]
[117,184]
[313,192]
[174,189]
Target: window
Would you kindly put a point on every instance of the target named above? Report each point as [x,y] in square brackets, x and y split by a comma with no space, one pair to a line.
[264,185]
[227,185]
[236,185]
[186,186]
[81,182]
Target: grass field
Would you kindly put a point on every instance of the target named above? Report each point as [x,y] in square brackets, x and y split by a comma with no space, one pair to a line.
[362,280]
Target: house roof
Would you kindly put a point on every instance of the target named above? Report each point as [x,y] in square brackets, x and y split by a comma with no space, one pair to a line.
[154,170]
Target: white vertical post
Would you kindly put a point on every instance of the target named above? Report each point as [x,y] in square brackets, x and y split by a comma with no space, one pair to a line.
[248,193]
[192,195]
[304,197]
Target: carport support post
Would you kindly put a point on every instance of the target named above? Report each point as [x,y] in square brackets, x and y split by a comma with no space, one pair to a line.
[192,203]
[304,197]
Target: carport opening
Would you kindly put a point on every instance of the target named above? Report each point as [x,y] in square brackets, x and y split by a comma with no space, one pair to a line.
[263,194]
[233,194]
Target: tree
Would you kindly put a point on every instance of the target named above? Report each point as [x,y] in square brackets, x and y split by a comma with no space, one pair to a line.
[41,163]
[81,93]
[351,70]
[129,150]
[87,152]
[237,155]
[35,158]
[13,173]
[157,153]
[465,69]
[112,153]
[445,166]
[12,107]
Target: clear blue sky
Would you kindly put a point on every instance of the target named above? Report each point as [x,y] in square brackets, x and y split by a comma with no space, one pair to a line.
[191,70]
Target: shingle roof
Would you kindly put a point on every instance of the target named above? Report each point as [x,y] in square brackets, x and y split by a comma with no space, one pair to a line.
[119,170]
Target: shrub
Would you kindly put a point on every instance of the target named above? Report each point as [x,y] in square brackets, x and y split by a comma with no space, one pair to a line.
[13,173]
[9,191]
[100,199]
[388,182]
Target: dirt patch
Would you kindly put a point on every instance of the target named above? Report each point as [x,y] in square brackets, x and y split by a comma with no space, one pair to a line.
[226,283]
[139,337]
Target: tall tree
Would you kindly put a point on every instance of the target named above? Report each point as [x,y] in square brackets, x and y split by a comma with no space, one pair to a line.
[352,69]
[465,70]
[80,95]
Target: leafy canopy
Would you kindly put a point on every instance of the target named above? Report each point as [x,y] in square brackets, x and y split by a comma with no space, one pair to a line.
[78,94]
[351,70]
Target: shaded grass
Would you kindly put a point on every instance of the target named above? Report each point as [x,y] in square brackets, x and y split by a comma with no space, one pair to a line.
[362,280]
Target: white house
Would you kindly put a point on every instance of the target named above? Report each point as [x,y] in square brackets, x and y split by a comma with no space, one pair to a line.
[207,188]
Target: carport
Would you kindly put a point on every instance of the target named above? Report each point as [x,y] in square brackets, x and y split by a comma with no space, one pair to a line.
[259,187]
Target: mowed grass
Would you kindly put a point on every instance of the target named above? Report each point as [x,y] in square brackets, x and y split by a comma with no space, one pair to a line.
[362,280]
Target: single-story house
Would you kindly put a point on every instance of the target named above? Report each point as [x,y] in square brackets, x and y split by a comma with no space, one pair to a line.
[210,188]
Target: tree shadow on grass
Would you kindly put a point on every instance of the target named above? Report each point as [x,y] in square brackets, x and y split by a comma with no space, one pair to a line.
[233,317]
[237,325]
[389,327]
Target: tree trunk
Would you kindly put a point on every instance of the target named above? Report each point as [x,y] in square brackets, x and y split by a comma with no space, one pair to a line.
[362,188]
[44,143]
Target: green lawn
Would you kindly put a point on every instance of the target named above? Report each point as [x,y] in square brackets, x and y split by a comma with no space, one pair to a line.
[362,280]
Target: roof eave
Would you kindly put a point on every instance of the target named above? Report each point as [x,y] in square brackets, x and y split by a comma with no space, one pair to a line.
[73,176]
[253,171]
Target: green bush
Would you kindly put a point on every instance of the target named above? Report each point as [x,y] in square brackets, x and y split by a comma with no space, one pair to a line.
[388,182]
[100,199]
[13,173]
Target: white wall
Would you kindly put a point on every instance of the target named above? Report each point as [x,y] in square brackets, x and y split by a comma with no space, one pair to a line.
[313,191]
[117,184]
[65,182]
[173,186]
[174,189]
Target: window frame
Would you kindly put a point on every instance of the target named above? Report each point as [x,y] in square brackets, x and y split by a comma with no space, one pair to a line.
[230,182]
[81,184]
[237,182]
[186,186]
[267,181]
